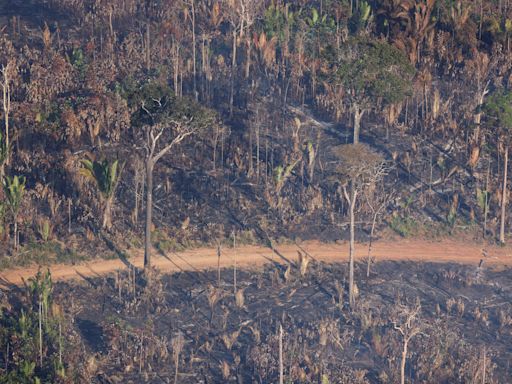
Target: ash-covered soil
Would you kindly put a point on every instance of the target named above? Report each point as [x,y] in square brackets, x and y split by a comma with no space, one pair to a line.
[193,326]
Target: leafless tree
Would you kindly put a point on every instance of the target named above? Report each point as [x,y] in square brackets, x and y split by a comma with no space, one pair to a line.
[377,206]
[241,14]
[191,15]
[504,195]
[6,101]
[407,322]
[359,167]
[160,138]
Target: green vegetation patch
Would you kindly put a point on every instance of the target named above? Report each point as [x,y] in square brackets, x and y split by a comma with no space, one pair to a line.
[42,254]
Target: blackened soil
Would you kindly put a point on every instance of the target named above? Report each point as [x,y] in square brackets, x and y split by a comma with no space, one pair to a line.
[192,318]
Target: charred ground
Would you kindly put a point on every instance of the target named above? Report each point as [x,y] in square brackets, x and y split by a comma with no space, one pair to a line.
[123,329]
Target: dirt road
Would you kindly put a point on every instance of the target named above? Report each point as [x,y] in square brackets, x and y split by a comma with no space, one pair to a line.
[256,256]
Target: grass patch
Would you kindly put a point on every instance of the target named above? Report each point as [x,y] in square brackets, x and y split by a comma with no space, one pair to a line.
[50,252]
[404,226]
[163,243]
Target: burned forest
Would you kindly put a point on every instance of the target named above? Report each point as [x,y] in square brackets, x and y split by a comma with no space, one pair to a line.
[177,178]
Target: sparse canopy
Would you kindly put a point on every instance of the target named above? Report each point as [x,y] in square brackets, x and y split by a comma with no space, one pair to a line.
[357,163]
[166,122]
[161,108]
[361,167]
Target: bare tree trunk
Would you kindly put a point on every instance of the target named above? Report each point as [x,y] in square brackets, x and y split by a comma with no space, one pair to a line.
[481,19]
[235,267]
[369,261]
[69,215]
[486,206]
[148,47]
[257,150]
[484,366]
[233,73]
[6,88]
[40,333]
[215,142]
[136,181]
[107,214]
[111,27]
[352,203]
[176,63]
[251,166]
[504,197]
[404,359]
[281,367]
[194,48]
[248,59]
[352,249]
[16,232]
[149,212]
[358,114]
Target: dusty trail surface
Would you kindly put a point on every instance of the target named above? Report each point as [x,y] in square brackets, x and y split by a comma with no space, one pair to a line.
[444,251]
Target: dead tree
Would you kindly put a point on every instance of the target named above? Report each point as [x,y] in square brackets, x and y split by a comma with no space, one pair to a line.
[357,167]
[504,197]
[191,15]
[377,206]
[165,124]
[241,14]
[160,138]
[408,324]
[6,104]
[138,185]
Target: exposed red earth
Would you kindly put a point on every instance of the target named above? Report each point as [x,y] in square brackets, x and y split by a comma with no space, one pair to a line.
[445,251]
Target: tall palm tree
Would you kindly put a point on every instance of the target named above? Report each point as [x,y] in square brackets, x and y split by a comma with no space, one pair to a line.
[106,176]
[14,189]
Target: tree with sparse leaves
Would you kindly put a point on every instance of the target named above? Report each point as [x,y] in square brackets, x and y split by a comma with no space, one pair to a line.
[164,123]
[356,167]
[406,320]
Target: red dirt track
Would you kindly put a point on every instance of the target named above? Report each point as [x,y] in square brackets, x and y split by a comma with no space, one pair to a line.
[255,256]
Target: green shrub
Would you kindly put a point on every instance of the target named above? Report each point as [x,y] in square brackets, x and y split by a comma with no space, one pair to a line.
[404,226]
[33,336]
[164,243]
[42,254]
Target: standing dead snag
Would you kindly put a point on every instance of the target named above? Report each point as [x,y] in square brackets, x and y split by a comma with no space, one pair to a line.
[5,83]
[377,206]
[154,152]
[177,344]
[357,167]
[407,323]
[164,123]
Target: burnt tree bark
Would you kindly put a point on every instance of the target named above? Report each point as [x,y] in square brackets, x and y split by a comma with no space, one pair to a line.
[504,197]
[351,200]
[154,152]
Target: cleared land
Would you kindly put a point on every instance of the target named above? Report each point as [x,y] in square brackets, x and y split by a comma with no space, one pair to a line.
[445,251]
